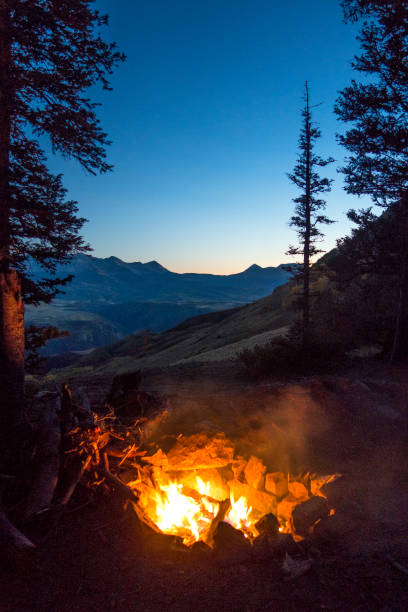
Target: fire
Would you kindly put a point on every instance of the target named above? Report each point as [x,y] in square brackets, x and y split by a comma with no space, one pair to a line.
[240,515]
[176,513]
[200,482]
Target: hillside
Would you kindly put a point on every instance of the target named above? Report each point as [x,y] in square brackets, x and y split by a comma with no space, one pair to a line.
[210,337]
[109,299]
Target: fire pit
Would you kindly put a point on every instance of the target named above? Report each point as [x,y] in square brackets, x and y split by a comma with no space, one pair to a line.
[191,484]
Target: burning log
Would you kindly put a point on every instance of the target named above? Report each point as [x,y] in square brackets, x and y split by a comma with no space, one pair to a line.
[223,509]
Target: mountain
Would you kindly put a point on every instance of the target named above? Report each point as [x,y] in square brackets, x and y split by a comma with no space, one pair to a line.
[114,281]
[109,298]
[210,337]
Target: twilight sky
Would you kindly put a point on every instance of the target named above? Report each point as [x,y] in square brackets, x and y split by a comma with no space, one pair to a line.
[204,118]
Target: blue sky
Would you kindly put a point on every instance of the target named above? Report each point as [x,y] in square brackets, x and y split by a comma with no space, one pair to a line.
[204,118]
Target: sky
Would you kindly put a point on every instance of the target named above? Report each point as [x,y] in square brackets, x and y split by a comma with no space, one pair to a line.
[204,119]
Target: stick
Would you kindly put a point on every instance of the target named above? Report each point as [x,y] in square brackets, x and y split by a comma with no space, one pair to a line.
[223,509]
[397,565]
[75,480]
[12,541]
[118,484]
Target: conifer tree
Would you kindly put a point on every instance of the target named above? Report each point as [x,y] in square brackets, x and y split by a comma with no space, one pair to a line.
[377,140]
[51,52]
[308,208]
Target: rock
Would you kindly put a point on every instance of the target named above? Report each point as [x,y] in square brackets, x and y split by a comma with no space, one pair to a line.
[264,545]
[260,501]
[335,491]
[277,544]
[200,551]
[298,490]
[307,513]
[230,545]
[268,525]
[255,473]
[200,451]
[276,483]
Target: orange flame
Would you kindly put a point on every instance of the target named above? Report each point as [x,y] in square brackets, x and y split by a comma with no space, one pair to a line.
[181,503]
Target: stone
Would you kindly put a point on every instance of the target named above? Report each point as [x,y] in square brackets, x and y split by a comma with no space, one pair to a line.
[276,483]
[255,473]
[307,513]
[230,545]
[267,525]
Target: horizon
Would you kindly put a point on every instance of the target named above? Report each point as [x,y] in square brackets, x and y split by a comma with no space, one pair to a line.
[155,261]
[205,117]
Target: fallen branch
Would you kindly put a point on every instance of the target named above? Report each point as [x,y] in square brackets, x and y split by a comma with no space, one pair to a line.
[397,565]
[119,485]
[74,481]
[12,542]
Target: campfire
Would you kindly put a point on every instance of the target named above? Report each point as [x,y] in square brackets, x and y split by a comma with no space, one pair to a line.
[200,481]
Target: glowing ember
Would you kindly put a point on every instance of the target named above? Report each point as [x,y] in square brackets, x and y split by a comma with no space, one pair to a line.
[177,499]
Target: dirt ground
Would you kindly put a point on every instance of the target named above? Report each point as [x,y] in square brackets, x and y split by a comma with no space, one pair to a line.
[97,558]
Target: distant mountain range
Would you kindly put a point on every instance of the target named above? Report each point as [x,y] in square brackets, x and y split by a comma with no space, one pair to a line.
[110,298]
[114,281]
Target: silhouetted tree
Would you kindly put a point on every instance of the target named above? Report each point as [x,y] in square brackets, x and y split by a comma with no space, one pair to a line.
[377,108]
[308,210]
[50,54]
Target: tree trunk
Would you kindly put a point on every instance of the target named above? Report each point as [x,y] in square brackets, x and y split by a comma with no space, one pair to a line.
[11,306]
[306,246]
[398,349]
[11,350]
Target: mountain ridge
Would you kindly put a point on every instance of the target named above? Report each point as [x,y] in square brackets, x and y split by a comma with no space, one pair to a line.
[109,298]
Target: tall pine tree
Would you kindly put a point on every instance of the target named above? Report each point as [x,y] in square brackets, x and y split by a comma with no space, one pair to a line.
[308,208]
[51,52]
[377,140]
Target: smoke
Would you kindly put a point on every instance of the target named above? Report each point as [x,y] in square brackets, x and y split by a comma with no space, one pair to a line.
[277,424]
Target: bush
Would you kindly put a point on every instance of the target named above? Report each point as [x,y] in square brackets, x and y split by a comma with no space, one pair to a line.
[285,357]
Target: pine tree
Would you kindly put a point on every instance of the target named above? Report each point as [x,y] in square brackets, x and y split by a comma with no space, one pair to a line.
[50,53]
[308,208]
[377,108]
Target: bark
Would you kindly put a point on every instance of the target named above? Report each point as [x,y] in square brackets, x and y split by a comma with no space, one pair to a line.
[11,349]
[11,306]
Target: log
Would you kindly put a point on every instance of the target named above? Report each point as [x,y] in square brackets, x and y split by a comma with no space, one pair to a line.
[120,486]
[47,461]
[80,471]
[222,511]
[82,408]
[14,545]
